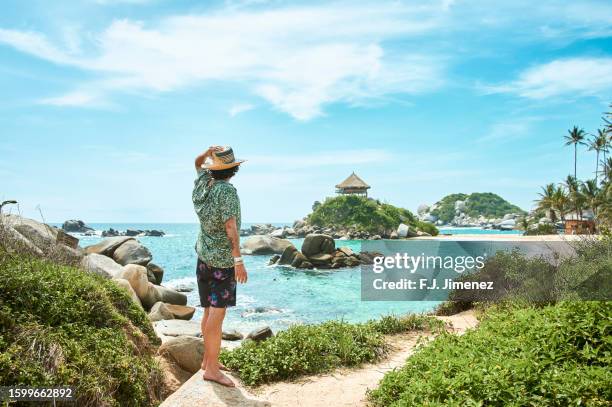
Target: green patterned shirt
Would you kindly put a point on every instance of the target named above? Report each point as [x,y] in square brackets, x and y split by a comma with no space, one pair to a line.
[215,202]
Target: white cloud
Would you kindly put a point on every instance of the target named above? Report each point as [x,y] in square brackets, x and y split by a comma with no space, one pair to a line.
[240,108]
[298,59]
[570,77]
[80,98]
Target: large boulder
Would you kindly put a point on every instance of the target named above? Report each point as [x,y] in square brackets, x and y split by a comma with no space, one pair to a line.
[159,311]
[132,252]
[137,277]
[183,312]
[126,285]
[321,260]
[77,226]
[101,265]
[404,231]
[315,244]
[155,273]
[170,296]
[232,335]
[288,255]
[260,244]
[107,246]
[186,351]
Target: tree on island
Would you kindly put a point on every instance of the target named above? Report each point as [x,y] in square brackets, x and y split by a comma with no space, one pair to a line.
[599,144]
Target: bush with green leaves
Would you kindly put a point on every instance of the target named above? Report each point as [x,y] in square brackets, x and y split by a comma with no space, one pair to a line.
[62,326]
[310,349]
[541,229]
[558,355]
[486,204]
[363,214]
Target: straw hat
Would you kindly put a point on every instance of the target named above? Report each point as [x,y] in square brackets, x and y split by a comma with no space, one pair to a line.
[222,160]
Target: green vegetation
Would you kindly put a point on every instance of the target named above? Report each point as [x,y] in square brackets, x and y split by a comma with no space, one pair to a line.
[486,204]
[310,349]
[62,326]
[539,280]
[362,214]
[556,356]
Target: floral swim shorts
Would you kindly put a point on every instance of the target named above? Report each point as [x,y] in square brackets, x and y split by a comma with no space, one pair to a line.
[217,286]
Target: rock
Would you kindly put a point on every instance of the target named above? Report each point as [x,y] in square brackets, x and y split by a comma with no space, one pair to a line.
[126,285]
[347,251]
[154,233]
[273,260]
[393,235]
[318,244]
[322,259]
[77,226]
[111,233]
[160,311]
[131,232]
[170,296]
[376,237]
[298,260]
[259,244]
[421,233]
[232,335]
[177,327]
[107,246]
[101,265]
[460,206]
[132,252]
[156,272]
[298,224]
[354,261]
[39,234]
[15,241]
[404,231]
[137,277]
[260,334]
[183,312]
[278,233]
[306,265]
[183,288]
[186,351]
[288,255]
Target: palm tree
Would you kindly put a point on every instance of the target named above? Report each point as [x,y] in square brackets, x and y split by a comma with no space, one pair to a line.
[575,136]
[547,201]
[590,193]
[575,197]
[598,144]
[561,202]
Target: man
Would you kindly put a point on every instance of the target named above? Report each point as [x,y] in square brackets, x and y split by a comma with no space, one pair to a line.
[220,265]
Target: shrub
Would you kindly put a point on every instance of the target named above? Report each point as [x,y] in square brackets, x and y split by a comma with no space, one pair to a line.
[558,355]
[541,229]
[486,204]
[310,349]
[62,326]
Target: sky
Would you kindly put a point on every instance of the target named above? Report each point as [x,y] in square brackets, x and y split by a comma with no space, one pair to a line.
[105,103]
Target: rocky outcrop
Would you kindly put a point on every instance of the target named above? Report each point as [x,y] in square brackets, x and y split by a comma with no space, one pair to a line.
[319,251]
[36,238]
[232,335]
[132,252]
[160,311]
[260,244]
[101,265]
[260,334]
[155,273]
[133,233]
[183,312]
[177,327]
[76,226]
[126,285]
[107,246]
[186,351]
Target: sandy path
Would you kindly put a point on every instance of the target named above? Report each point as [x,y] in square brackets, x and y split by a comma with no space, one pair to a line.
[348,387]
[343,387]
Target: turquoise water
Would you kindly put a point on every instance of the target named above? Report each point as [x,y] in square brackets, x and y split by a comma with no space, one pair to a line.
[275,296]
[477,231]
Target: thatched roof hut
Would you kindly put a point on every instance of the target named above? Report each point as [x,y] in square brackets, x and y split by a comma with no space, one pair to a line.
[353,185]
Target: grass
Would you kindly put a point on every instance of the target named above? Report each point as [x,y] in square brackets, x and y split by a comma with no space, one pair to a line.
[62,326]
[558,355]
[310,349]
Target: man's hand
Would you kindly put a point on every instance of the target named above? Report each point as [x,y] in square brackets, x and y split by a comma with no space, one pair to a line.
[241,273]
[206,154]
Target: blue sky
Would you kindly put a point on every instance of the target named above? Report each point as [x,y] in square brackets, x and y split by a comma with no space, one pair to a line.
[105,103]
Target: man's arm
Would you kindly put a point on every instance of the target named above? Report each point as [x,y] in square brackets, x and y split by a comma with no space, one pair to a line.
[231,229]
[206,154]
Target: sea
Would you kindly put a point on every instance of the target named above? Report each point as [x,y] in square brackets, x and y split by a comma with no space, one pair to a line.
[277,296]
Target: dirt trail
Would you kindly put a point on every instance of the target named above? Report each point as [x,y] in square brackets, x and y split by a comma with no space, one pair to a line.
[343,387]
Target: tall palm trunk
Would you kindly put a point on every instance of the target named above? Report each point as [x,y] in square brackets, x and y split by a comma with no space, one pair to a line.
[597,167]
[575,159]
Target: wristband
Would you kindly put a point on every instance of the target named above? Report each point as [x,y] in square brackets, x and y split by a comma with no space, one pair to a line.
[238,260]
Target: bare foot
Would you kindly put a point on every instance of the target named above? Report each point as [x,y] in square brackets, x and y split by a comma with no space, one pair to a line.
[221,366]
[219,378]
